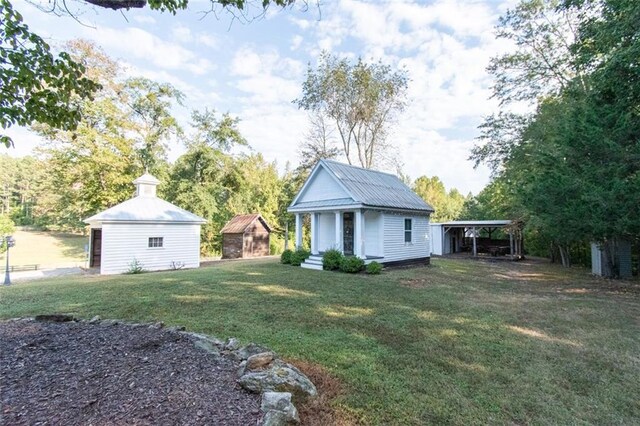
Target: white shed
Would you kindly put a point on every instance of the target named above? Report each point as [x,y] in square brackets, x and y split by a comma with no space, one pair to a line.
[145,230]
[364,213]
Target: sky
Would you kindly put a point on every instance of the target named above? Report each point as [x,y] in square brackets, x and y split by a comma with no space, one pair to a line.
[254,70]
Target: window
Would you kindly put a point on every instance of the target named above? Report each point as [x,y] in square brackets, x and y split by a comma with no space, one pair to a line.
[407,230]
[156,241]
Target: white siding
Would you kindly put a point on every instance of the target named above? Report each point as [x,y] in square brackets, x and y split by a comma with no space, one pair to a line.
[436,239]
[322,187]
[373,224]
[122,243]
[395,248]
[326,231]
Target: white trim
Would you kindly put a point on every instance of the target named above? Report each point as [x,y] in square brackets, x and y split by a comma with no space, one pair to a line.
[325,208]
[311,175]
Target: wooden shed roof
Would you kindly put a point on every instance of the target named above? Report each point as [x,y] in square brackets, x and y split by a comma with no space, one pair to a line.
[241,222]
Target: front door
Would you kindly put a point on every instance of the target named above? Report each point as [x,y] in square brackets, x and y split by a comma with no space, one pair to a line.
[347,234]
[96,248]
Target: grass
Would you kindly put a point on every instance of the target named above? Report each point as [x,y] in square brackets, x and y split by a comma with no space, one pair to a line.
[460,342]
[47,249]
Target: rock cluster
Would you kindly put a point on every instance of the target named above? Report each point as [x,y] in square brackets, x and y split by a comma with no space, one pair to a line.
[260,370]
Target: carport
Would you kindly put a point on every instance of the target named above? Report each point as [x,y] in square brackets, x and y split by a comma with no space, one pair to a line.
[476,236]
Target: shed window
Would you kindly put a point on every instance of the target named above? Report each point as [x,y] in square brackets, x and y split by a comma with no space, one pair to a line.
[156,241]
[407,230]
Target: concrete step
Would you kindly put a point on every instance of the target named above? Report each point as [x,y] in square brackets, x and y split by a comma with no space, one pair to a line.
[312,266]
[313,261]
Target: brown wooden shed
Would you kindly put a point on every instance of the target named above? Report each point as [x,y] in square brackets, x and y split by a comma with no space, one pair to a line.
[246,235]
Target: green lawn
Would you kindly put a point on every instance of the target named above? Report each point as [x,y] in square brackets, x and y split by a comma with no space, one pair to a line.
[460,342]
[47,249]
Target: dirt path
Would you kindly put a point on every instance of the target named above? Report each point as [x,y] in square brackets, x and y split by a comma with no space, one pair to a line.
[79,373]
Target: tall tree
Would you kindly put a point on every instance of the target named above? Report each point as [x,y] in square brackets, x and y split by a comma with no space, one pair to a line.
[573,165]
[318,144]
[447,205]
[91,168]
[35,84]
[361,101]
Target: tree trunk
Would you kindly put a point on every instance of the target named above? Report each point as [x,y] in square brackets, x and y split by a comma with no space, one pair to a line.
[564,255]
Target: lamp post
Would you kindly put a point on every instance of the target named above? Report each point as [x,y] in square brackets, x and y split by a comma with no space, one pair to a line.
[10,241]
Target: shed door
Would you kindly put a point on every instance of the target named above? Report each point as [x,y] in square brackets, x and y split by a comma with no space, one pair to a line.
[96,248]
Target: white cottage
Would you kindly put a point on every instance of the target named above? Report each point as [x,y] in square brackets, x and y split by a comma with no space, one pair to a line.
[146,229]
[365,213]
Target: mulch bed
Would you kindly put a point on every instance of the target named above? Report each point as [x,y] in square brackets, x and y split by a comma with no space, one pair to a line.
[76,373]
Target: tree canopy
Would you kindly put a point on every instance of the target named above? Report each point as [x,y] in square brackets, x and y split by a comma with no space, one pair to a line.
[360,101]
[571,167]
[37,85]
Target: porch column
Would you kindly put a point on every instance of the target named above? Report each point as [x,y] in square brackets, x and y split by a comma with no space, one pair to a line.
[363,233]
[358,246]
[339,245]
[314,233]
[475,248]
[298,230]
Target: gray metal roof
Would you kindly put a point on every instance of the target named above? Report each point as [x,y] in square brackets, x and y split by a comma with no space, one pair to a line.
[373,188]
[324,203]
[470,223]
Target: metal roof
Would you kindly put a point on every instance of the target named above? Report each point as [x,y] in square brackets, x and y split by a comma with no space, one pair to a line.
[241,222]
[372,188]
[146,209]
[325,203]
[471,223]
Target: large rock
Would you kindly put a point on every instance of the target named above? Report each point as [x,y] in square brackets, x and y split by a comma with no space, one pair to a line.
[281,403]
[260,361]
[246,351]
[279,377]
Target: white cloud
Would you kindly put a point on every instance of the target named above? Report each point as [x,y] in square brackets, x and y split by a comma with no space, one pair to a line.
[141,44]
[144,19]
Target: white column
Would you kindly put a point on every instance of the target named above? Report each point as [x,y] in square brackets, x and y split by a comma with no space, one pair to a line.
[298,230]
[339,245]
[363,233]
[475,248]
[358,234]
[314,233]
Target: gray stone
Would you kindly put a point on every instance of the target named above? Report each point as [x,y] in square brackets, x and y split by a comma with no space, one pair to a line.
[110,322]
[157,325]
[176,328]
[197,336]
[279,377]
[246,351]
[280,401]
[95,319]
[260,361]
[232,344]
[274,418]
[208,346]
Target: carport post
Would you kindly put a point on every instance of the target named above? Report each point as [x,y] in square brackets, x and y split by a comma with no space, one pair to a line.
[475,247]
[511,244]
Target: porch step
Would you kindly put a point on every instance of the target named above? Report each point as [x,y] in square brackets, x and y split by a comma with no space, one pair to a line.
[313,262]
[311,266]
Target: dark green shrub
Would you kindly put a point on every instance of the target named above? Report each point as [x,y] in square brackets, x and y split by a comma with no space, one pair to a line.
[351,264]
[285,257]
[374,268]
[299,256]
[331,259]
